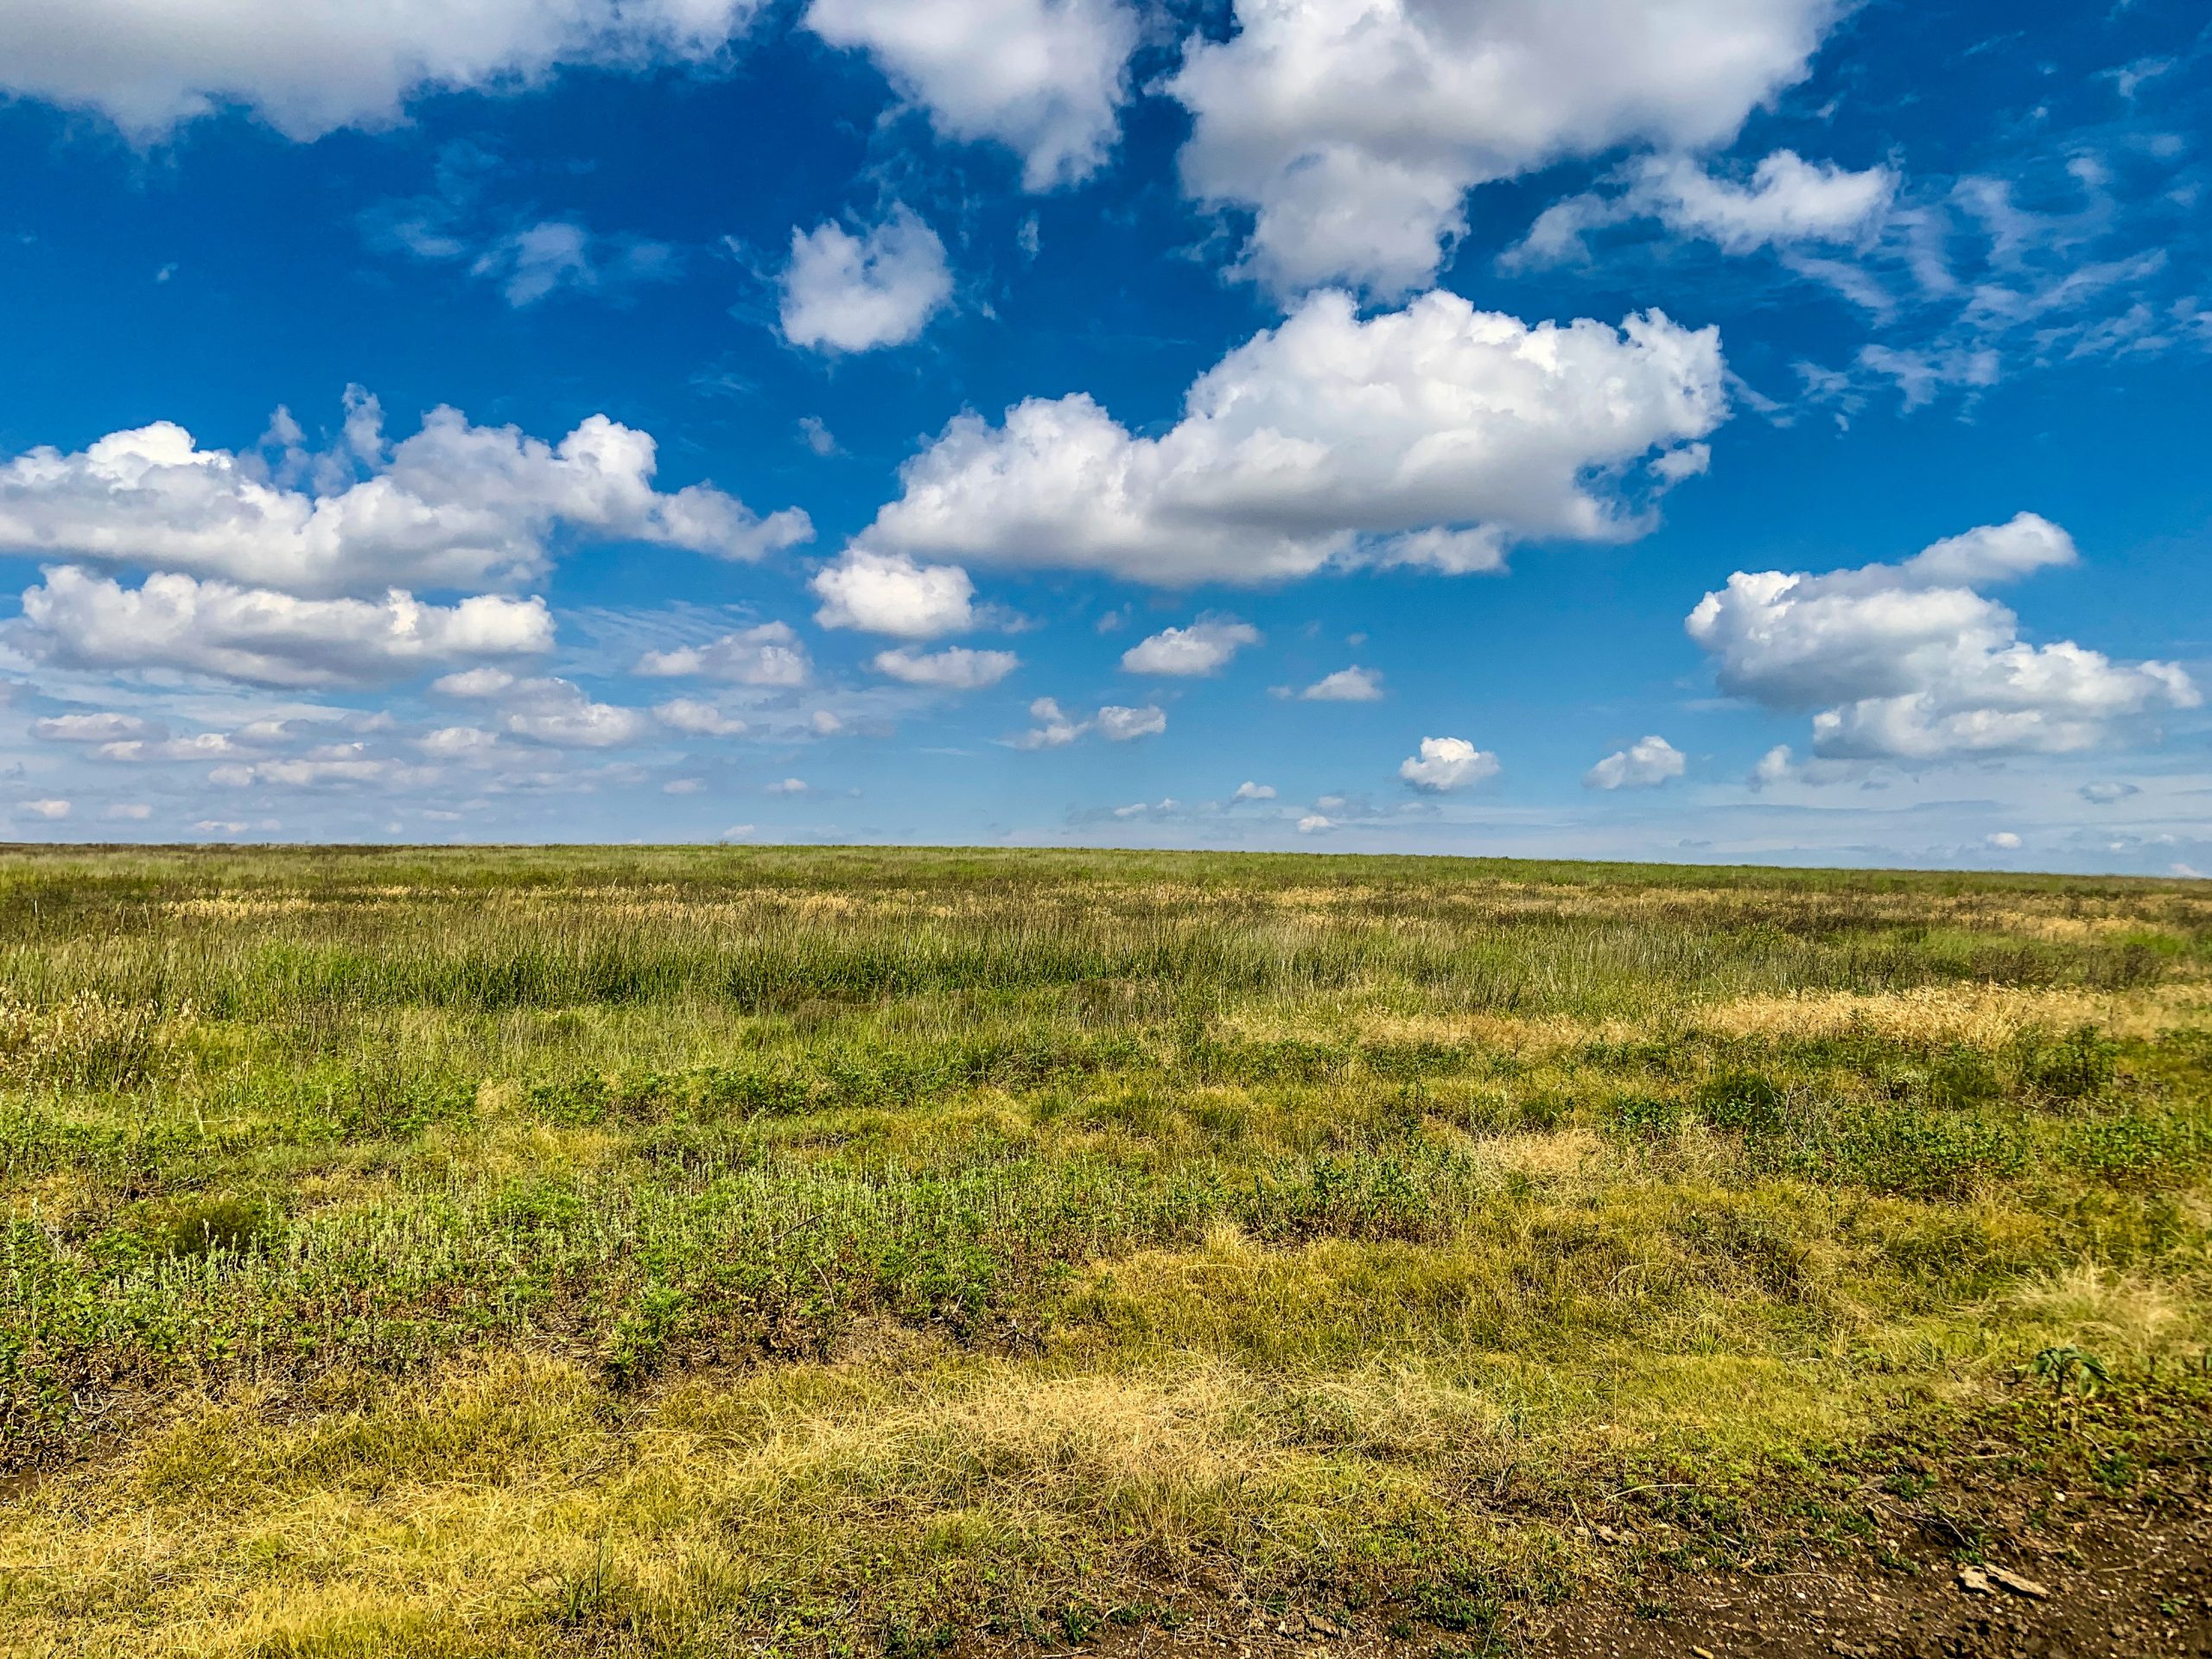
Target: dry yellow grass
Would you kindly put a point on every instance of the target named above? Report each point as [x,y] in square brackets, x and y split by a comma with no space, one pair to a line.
[1922,1016]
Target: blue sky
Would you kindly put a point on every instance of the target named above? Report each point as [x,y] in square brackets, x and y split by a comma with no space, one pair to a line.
[1703,429]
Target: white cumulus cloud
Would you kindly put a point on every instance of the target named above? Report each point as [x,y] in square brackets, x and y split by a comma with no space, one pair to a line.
[767,654]
[309,66]
[956,669]
[1054,728]
[846,293]
[554,712]
[453,506]
[1352,129]
[1206,646]
[1645,764]
[696,719]
[346,769]
[558,714]
[472,682]
[200,746]
[78,619]
[2021,546]
[1249,791]
[889,593]
[459,743]
[1448,762]
[1046,78]
[1120,725]
[1160,809]
[1353,684]
[1787,201]
[1435,436]
[89,728]
[1908,662]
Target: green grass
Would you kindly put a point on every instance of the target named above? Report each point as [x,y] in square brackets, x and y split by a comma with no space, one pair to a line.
[520,1252]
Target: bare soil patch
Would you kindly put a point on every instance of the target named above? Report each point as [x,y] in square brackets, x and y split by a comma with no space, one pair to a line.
[2118,1577]
[2040,1530]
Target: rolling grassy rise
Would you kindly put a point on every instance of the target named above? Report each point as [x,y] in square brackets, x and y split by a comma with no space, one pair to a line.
[675,1252]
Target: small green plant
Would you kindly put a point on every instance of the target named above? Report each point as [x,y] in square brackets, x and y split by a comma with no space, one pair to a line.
[1645,1117]
[2064,1365]
[572,1102]
[207,1225]
[642,1332]
[1403,1112]
[2077,1066]
[1964,1077]
[594,1598]
[1078,1621]
[903,1641]
[1743,1101]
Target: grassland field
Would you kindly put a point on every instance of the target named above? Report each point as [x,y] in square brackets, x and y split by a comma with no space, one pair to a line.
[695,1251]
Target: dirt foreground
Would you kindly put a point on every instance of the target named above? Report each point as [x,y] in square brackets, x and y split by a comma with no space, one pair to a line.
[2098,1582]
[2096,1578]
[2092,1544]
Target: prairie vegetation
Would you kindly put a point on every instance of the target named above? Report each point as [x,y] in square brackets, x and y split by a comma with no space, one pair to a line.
[682,1252]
